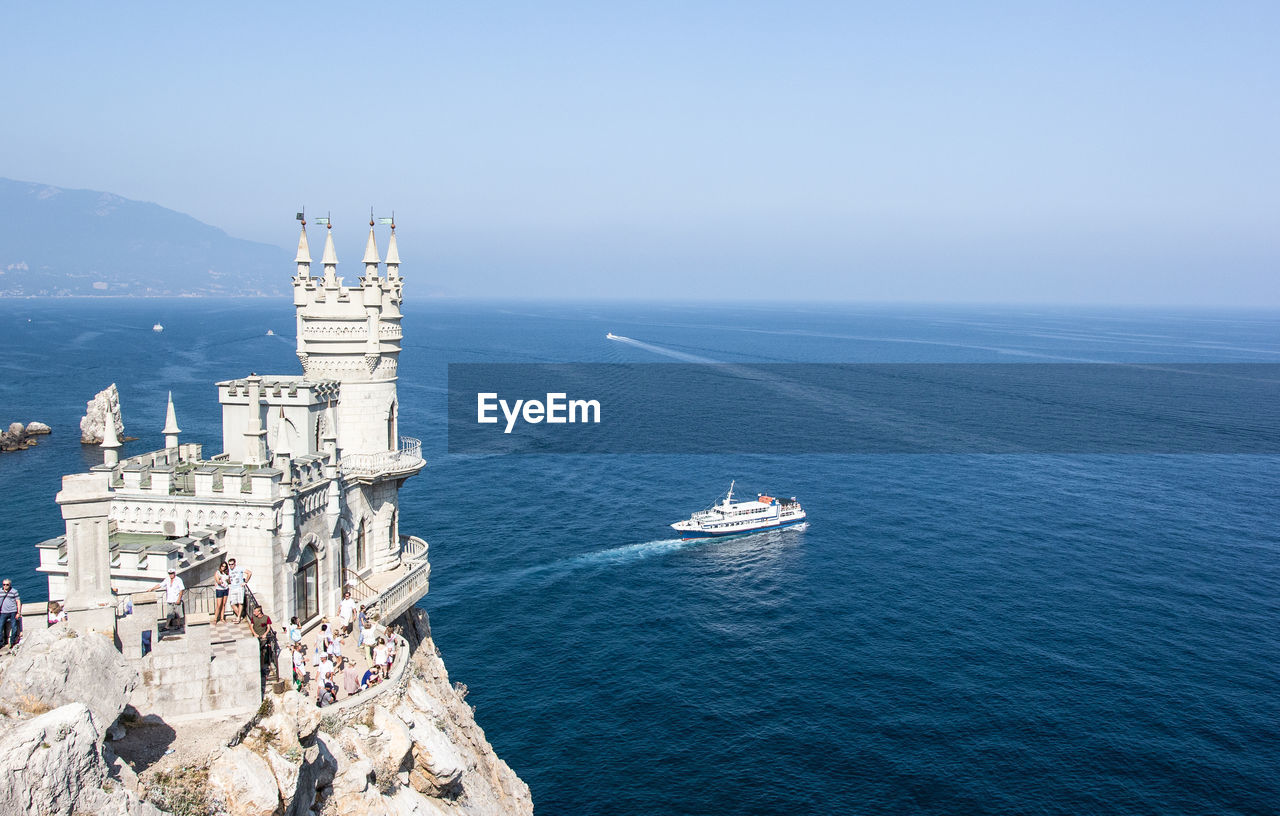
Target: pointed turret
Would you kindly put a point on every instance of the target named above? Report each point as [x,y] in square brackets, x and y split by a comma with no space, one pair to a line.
[304,254]
[330,258]
[283,452]
[110,441]
[393,255]
[329,439]
[371,259]
[171,429]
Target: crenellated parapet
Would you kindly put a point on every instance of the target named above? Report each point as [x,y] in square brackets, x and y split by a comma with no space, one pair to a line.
[350,333]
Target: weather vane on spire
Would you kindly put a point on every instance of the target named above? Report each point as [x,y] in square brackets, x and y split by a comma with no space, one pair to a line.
[302,216]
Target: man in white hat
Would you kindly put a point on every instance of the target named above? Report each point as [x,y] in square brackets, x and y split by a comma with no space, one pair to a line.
[173,588]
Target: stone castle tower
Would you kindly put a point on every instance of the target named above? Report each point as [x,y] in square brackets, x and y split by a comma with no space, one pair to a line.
[305,492]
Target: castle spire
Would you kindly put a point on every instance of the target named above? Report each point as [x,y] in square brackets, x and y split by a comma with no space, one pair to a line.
[330,259]
[171,429]
[393,253]
[283,453]
[371,259]
[110,440]
[303,260]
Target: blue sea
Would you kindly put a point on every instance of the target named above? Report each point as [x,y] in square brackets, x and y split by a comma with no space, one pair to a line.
[952,634]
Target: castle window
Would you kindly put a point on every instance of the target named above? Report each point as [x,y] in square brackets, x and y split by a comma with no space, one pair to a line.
[360,546]
[306,586]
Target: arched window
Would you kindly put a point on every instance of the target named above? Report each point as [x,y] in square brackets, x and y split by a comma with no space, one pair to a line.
[391,427]
[395,540]
[306,586]
[360,546]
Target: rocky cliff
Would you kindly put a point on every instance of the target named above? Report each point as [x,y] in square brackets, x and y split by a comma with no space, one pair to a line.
[411,747]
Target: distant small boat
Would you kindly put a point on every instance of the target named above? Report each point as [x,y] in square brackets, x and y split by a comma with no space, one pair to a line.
[157,328]
[611,336]
[270,333]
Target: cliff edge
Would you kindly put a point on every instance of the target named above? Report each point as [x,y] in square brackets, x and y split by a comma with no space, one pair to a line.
[412,746]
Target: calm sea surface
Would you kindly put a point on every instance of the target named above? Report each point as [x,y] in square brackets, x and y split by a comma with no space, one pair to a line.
[951,634]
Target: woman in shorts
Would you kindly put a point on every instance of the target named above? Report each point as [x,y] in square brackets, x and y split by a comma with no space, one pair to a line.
[221,583]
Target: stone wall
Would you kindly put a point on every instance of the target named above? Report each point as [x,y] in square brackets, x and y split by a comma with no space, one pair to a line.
[182,677]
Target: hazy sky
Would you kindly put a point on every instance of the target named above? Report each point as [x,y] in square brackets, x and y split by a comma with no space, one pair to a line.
[1021,152]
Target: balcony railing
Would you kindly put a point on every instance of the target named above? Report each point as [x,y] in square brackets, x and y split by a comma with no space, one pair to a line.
[406,460]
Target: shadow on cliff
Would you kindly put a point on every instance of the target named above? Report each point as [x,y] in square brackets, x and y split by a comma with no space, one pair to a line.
[146,740]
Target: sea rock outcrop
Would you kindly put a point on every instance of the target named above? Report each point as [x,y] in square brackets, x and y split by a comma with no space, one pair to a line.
[20,437]
[106,403]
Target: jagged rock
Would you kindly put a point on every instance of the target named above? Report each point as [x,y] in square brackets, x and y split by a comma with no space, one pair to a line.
[53,667]
[116,732]
[433,753]
[105,403]
[408,802]
[293,719]
[353,778]
[37,428]
[286,774]
[422,700]
[118,769]
[389,742]
[366,803]
[241,780]
[50,758]
[50,764]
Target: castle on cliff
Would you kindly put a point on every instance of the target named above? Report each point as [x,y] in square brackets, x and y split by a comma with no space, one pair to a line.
[304,493]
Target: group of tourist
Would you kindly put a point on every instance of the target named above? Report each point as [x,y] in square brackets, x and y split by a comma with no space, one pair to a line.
[336,673]
[229,584]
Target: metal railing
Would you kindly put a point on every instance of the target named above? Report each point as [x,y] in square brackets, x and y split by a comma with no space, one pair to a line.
[360,589]
[196,600]
[408,457]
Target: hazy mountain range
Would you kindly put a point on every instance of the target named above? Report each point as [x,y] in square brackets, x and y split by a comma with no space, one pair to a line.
[56,242]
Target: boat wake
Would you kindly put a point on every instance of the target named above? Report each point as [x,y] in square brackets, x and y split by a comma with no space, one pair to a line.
[556,570]
[661,350]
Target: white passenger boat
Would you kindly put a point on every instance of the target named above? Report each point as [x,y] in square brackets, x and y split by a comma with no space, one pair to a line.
[742,517]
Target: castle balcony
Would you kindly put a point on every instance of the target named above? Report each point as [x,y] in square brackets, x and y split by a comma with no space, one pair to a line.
[396,464]
[394,592]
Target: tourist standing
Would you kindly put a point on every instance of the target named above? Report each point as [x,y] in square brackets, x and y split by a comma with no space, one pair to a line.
[368,637]
[172,587]
[10,614]
[380,656]
[295,630]
[299,666]
[261,626]
[237,580]
[346,611]
[221,586]
[350,677]
[322,642]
